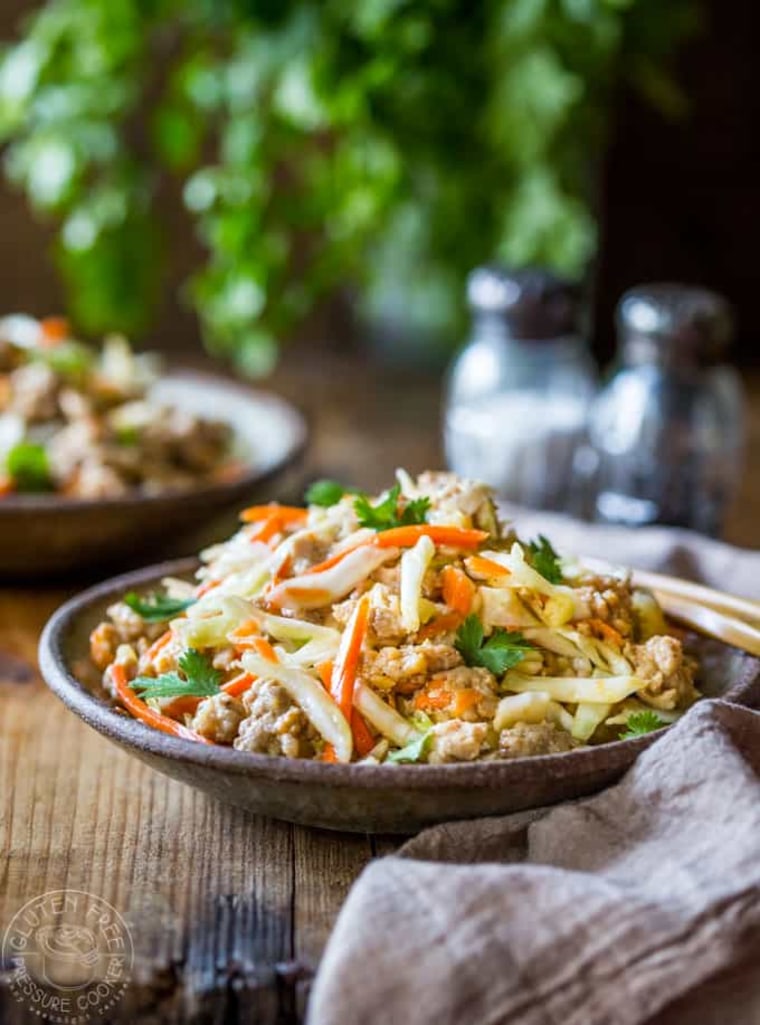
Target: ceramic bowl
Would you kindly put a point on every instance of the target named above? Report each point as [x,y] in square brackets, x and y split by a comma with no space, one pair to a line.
[357,798]
[46,535]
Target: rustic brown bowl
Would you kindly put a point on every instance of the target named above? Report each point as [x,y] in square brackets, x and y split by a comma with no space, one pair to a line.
[47,535]
[381,798]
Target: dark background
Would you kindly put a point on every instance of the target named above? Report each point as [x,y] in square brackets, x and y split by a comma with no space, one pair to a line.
[679,200]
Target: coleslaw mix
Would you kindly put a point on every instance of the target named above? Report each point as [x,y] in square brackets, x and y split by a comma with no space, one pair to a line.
[414,627]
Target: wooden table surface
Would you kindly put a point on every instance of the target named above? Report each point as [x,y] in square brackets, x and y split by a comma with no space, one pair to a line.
[228,912]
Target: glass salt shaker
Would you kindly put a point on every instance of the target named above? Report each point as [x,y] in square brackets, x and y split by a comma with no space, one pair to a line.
[519,391]
[668,427]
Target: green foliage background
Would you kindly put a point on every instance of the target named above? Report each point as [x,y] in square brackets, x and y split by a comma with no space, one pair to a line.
[386,144]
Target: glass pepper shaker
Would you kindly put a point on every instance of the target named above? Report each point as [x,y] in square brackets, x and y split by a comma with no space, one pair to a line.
[668,427]
[518,393]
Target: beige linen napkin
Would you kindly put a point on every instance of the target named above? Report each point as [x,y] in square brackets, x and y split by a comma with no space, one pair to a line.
[641,904]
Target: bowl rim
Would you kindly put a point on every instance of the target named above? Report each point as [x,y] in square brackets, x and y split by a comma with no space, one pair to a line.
[104,717]
[252,474]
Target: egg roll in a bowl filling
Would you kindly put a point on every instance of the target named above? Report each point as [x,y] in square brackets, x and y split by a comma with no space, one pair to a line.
[410,627]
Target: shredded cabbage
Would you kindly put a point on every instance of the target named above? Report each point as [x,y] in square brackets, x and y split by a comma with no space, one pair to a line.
[414,564]
[503,607]
[313,590]
[586,719]
[207,623]
[596,690]
[316,704]
[385,719]
[531,707]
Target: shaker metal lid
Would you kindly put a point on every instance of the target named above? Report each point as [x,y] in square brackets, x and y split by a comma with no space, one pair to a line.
[535,304]
[686,318]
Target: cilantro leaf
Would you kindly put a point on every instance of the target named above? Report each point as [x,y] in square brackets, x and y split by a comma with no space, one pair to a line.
[414,751]
[502,651]
[385,514]
[641,723]
[157,608]
[27,463]
[415,511]
[201,680]
[326,493]
[545,560]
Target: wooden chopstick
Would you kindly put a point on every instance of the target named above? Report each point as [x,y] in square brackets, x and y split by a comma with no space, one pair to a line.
[726,617]
[708,620]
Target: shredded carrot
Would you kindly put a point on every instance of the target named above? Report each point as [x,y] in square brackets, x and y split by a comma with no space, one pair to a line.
[268,528]
[142,711]
[286,514]
[320,567]
[53,330]
[608,632]
[464,700]
[347,661]
[363,739]
[443,624]
[325,670]
[262,647]
[482,567]
[328,753]
[185,705]
[312,593]
[7,485]
[458,590]
[150,653]
[242,637]
[407,537]
[430,700]
[283,571]
[205,587]
[239,685]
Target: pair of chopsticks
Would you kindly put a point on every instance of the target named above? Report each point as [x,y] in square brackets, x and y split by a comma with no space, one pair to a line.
[726,617]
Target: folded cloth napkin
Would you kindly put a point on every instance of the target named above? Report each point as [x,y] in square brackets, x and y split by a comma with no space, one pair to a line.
[641,904]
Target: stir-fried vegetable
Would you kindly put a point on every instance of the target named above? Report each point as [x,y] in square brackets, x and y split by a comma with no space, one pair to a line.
[405,629]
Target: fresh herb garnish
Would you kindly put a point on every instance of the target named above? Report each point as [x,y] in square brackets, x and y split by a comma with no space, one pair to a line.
[502,651]
[414,751]
[326,493]
[157,608]
[201,680]
[641,723]
[27,463]
[386,515]
[545,560]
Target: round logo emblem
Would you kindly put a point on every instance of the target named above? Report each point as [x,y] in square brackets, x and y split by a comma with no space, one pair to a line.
[72,955]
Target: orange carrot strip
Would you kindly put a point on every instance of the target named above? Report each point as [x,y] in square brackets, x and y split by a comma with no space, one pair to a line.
[241,637]
[185,705]
[53,330]
[607,631]
[363,738]
[268,528]
[444,624]
[150,653]
[325,670]
[262,647]
[482,567]
[285,513]
[347,661]
[458,590]
[333,560]
[431,700]
[204,588]
[328,753]
[142,711]
[239,685]
[464,700]
[283,571]
[407,537]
